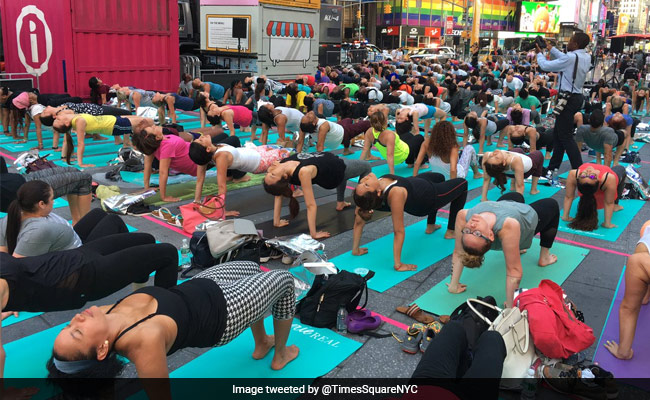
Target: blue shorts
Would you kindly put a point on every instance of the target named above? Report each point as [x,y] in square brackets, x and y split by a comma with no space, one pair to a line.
[431,113]
[122,126]
[628,120]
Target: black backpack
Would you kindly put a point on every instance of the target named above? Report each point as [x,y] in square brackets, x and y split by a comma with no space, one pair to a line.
[328,293]
[473,324]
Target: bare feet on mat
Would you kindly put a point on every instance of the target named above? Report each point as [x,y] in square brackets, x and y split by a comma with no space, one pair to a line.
[244,178]
[341,205]
[613,348]
[617,207]
[431,228]
[547,260]
[297,193]
[347,152]
[534,192]
[405,267]
[281,359]
[263,348]
[450,234]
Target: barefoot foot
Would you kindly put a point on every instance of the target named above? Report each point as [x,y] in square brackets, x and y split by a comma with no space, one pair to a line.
[548,260]
[245,178]
[450,234]
[617,207]
[298,193]
[263,348]
[341,205]
[346,152]
[281,359]
[432,228]
[534,192]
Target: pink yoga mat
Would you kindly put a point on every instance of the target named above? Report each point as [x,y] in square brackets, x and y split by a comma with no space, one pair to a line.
[639,365]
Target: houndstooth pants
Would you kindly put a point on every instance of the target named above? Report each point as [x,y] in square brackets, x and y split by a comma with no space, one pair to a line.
[249,293]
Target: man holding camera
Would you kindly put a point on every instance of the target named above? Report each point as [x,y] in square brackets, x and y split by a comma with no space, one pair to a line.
[573,67]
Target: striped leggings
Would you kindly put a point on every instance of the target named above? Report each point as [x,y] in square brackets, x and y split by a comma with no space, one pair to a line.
[249,293]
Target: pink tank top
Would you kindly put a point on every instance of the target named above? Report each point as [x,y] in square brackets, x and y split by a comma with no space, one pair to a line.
[242,116]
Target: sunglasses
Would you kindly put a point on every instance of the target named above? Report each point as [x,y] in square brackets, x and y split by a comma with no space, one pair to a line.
[475,233]
[583,175]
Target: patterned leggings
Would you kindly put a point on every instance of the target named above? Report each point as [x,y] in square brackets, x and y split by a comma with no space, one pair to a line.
[64,180]
[249,293]
[466,161]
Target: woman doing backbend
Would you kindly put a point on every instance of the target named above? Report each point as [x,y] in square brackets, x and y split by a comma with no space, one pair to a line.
[515,164]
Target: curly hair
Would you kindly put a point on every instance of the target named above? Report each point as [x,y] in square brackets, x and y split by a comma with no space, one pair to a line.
[471,261]
[498,173]
[442,139]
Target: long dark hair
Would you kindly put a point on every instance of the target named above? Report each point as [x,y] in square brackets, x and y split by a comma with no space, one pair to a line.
[145,143]
[27,198]
[292,90]
[367,202]
[587,216]
[90,382]
[281,188]
[498,173]
[95,97]
[198,155]
[405,126]
[69,144]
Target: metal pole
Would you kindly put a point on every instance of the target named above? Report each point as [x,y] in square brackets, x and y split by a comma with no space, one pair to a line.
[359,20]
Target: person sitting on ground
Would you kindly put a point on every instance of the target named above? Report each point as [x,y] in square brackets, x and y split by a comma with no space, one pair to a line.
[637,294]
[31,228]
[391,147]
[230,114]
[441,148]
[330,134]
[518,116]
[408,118]
[287,120]
[514,164]
[100,93]
[305,169]
[617,104]
[152,323]
[599,187]
[323,108]
[482,128]
[171,102]
[531,103]
[65,181]
[602,139]
[421,195]
[506,224]
[253,159]
[212,90]
[235,94]
[185,87]
[172,152]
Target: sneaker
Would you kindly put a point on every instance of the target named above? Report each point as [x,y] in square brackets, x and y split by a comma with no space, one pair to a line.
[429,334]
[568,382]
[606,379]
[591,153]
[412,340]
[269,253]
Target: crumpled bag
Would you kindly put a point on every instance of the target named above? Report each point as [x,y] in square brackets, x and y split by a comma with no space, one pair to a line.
[641,185]
[294,246]
[305,269]
[120,204]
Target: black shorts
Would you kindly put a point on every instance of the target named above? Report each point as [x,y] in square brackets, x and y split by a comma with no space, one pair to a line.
[122,126]
[621,137]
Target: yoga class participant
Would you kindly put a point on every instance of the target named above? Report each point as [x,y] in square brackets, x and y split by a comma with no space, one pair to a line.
[287,120]
[408,118]
[305,169]
[536,138]
[230,114]
[599,187]
[602,139]
[211,309]
[506,224]
[253,159]
[482,128]
[421,195]
[171,102]
[330,134]
[351,130]
[392,148]
[213,91]
[441,148]
[514,164]
[637,294]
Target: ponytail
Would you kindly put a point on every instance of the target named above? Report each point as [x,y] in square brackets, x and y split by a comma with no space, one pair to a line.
[281,188]
[27,198]
[587,216]
[69,147]
[498,173]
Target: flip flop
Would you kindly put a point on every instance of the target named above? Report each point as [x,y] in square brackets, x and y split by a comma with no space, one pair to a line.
[416,313]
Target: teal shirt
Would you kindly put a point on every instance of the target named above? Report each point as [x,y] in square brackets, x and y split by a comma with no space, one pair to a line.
[529,102]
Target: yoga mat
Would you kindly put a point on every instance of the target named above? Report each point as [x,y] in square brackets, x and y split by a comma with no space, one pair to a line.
[639,365]
[321,350]
[620,218]
[137,178]
[185,117]
[23,315]
[185,191]
[26,357]
[489,279]
[101,160]
[494,193]
[419,248]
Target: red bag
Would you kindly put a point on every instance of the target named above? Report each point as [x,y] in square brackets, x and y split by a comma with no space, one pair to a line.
[212,207]
[555,329]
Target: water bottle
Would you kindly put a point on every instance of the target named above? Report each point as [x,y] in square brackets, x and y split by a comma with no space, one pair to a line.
[554,178]
[185,254]
[529,386]
[340,319]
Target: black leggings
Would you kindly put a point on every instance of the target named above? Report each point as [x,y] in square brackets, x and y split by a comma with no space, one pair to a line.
[545,139]
[452,192]
[124,258]
[98,224]
[109,110]
[224,138]
[548,215]
[414,143]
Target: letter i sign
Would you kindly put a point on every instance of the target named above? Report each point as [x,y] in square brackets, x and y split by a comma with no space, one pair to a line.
[34,40]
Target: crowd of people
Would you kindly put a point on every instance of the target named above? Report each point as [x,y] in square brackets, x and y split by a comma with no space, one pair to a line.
[404,110]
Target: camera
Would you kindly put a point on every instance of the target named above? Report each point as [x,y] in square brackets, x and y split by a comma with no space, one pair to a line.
[539,41]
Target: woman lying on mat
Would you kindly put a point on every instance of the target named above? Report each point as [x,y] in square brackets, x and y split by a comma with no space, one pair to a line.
[31,228]
[392,148]
[171,102]
[65,181]
[506,224]
[599,187]
[441,148]
[172,152]
[255,159]
[419,195]
[107,125]
[304,169]
[154,322]
[230,114]
[514,164]
[637,293]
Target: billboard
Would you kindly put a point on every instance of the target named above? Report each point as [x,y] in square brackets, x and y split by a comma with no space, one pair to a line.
[539,17]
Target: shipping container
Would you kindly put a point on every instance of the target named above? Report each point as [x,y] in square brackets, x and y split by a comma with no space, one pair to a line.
[294,3]
[66,42]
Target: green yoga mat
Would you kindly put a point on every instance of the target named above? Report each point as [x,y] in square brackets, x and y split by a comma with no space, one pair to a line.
[100,160]
[620,218]
[494,193]
[137,178]
[185,191]
[26,357]
[321,350]
[419,248]
[489,279]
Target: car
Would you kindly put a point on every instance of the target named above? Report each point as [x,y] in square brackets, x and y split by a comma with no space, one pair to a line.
[436,54]
[352,53]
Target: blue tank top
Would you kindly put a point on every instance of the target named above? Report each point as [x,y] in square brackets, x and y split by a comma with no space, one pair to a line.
[216,91]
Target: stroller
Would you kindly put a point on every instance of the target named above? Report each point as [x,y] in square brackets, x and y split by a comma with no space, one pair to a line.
[631,73]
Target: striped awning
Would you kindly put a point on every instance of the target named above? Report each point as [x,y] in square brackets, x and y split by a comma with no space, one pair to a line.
[289,29]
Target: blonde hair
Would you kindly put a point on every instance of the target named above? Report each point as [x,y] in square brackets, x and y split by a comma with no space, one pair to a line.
[471,261]
[378,121]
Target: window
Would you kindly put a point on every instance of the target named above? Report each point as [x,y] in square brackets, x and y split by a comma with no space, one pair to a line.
[181,15]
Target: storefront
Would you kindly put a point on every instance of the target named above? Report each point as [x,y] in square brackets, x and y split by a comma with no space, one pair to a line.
[388,37]
[413,36]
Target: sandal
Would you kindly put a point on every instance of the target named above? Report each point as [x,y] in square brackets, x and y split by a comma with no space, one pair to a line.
[164,214]
[416,313]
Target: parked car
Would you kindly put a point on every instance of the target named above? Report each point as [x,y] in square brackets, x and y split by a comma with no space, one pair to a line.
[352,53]
[437,54]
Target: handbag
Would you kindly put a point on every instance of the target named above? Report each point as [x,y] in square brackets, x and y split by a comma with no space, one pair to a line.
[39,164]
[229,235]
[512,325]
[212,207]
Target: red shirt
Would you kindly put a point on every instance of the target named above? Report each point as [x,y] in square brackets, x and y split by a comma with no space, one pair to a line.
[603,170]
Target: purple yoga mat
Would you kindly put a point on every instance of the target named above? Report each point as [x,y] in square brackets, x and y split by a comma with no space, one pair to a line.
[639,365]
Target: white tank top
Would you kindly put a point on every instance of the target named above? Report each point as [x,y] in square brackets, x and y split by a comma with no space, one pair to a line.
[645,239]
[528,162]
[293,118]
[334,136]
[421,108]
[243,159]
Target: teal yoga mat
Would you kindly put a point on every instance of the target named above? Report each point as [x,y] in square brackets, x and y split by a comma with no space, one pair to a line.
[21,317]
[620,218]
[101,160]
[320,351]
[489,279]
[494,193]
[419,248]
[26,357]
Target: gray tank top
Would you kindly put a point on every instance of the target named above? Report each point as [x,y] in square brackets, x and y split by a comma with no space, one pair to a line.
[523,213]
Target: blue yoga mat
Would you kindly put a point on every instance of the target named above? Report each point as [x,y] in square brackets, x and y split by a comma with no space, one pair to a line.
[26,357]
[21,317]
[620,218]
[489,279]
[137,178]
[419,248]
[101,160]
[321,350]
[494,193]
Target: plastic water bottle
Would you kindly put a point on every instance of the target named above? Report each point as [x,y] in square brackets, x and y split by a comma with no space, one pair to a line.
[554,178]
[185,254]
[340,319]
[529,386]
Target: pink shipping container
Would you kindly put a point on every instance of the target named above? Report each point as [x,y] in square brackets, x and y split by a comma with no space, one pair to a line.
[66,42]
